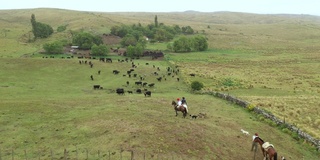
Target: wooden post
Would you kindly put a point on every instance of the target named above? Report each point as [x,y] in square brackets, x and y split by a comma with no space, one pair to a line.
[65,154]
[12,154]
[87,153]
[77,153]
[132,155]
[51,152]
[25,154]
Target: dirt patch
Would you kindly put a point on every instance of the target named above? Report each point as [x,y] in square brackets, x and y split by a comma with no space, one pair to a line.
[110,39]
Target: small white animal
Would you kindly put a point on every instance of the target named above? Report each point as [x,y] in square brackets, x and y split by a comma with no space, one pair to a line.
[244,132]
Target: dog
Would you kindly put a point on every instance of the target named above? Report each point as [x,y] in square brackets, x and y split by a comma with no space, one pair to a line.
[193,116]
[244,132]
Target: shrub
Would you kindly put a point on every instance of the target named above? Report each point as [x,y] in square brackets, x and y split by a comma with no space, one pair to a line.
[250,107]
[196,85]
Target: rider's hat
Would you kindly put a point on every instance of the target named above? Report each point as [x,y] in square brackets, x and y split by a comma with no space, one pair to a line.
[256,134]
[178,99]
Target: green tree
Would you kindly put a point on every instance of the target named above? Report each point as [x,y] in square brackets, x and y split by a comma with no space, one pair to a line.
[199,43]
[99,50]
[196,85]
[128,40]
[183,44]
[156,21]
[86,40]
[62,28]
[130,51]
[40,30]
[53,48]
[187,30]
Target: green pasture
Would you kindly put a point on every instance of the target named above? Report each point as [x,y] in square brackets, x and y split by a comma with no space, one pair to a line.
[48,105]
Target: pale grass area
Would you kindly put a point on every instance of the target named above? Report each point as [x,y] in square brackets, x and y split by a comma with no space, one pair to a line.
[285,84]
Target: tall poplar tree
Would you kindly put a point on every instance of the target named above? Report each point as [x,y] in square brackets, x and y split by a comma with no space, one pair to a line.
[156,21]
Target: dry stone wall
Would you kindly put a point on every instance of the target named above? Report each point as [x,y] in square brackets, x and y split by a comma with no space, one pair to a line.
[244,104]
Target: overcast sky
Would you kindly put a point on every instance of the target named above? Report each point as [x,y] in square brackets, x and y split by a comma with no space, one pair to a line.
[250,6]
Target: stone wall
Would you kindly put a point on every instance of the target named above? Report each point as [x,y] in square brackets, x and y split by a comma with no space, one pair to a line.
[244,104]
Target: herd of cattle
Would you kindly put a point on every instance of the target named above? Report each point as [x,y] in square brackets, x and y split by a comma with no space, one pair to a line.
[140,85]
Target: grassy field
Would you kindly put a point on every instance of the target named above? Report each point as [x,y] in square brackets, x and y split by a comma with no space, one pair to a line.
[48,105]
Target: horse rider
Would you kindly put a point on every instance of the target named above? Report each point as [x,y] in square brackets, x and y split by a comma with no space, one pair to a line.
[255,136]
[184,103]
[179,102]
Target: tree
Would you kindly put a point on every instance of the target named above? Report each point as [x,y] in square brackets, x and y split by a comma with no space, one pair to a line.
[199,43]
[128,40]
[85,40]
[196,85]
[182,45]
[53,48]
[99,50]
[62,28]
[130,51]
[156,21]
[187,30]
[40,30]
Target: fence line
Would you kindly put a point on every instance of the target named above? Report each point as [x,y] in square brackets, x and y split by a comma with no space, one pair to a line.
[244,104]
[83,154]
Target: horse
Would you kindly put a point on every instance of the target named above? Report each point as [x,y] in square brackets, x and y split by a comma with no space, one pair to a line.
[270,151]
[179,108]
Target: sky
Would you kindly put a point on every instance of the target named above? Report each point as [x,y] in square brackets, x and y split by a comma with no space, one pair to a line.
[311,7]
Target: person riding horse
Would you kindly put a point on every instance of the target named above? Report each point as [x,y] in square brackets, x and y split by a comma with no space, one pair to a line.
[183,103]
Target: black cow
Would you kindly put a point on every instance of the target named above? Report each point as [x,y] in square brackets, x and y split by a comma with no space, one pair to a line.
[96,86]
[109,60]
[144,84]
[91,77]
[151,84]
[102,59]
[147,93]
[138,83]
[159,79]
[192,75]
[130,92]
[138,91]
[116,72]
[120,91]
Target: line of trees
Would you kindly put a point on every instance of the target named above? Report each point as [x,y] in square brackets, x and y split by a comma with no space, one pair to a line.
[189,44]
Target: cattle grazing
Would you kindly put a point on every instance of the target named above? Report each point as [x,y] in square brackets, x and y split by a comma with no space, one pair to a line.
[102,59]
[151,84]
[109,60]
[96,86]
[127,83]
[159,79]
[79,62]
[116,72]
[138,83]
[99,72]
[144,84]
[135,75]
[130,92]
[147,93]
[128,72]
[192,75]
[91,77]
[178,79]
[120,91]
[138,91]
